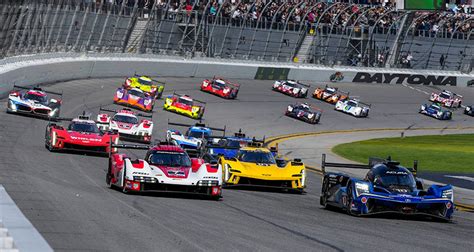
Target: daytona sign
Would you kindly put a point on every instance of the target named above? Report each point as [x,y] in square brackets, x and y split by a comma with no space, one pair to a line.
[414,79]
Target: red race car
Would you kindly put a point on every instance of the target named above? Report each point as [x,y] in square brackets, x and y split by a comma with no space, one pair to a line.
[220,87]
[82,134]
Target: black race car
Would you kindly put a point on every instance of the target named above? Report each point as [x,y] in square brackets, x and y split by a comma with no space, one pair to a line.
[304,112]
[469,110]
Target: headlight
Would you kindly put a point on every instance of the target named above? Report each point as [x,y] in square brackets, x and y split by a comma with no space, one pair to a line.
[146,102]
[448,194]
[290,108]
[195,109]
[423,107]
[226,90]
[440,113]
[361,188]
[12,105]
[52,112]
[468,108]
[295,90]
[310,116]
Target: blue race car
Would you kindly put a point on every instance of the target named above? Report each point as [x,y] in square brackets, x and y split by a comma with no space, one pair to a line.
[437,111]
[227,146]
[387,188]
[194,138]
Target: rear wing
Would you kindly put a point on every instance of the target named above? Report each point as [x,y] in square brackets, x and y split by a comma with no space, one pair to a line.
[366,104]
[127,109]
[39,89]
[303,84]
[194,100]
[372,161]
[157,81]
[199,124]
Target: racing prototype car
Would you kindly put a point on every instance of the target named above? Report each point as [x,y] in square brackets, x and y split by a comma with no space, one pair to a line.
[34,101]
[256,166]
[146,84]
[185,105]
[388,187]
[220,87]
[447,99]
[134,98]
[82,134]
[330,94]
[304,112]
[291,88]
[226,146]
[436,110]
[353,107]
[469,110]
[195,137]
[126,122]
[165,168]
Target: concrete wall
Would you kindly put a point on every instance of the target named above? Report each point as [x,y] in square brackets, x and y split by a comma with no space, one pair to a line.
[40,69]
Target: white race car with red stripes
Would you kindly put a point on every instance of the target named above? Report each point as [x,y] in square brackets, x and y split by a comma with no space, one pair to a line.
[128,125]
[165,168]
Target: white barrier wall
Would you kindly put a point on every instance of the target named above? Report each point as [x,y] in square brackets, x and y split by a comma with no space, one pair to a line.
[40,69]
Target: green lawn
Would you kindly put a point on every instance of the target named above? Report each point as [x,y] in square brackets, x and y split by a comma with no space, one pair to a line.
[446,153]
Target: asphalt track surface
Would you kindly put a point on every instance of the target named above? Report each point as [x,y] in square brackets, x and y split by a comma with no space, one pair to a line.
[65,196]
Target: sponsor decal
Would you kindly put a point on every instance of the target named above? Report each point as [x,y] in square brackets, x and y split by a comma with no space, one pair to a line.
[272,73]
[336,77]
[413,79]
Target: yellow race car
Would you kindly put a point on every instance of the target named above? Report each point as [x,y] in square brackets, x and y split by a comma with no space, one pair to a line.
[256,166]
[146,84]
[184,105]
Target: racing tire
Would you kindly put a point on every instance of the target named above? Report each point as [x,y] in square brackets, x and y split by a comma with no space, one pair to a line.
[350,199]
[108,177]
[48,143]
[323,197]
[124,188]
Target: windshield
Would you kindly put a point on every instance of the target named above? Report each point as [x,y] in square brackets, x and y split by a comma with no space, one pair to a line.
[144,82]
[256,157]
[84,127]
[125,119]
[198,134]
[444,96]
[394,179]
[435,107]
[330,90]
[35,97]
[136,93]
[352,104]
[290,84]
[219,83]
[185,101]
[172,159]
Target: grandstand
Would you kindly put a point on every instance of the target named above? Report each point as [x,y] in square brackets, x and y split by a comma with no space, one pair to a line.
[303,32]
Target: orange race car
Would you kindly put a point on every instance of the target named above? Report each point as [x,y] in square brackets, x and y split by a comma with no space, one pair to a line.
[330,94]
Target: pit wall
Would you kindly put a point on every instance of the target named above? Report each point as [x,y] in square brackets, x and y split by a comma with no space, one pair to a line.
[50,68]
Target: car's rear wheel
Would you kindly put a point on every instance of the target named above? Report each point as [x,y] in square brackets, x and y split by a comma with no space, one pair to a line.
[124,174]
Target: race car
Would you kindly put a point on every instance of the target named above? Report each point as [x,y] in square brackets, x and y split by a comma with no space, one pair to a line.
[127,124]
[226,146]
[34,101]
[256,166]
[469,110]
[185,105]
[194,138]
[353,107]
[330,94]
[220,87]
[304,112]
[447,99]
[436,110]
[291,88]
[134,98]
[388,187]
[154,87]
[165,168]
[82,135]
